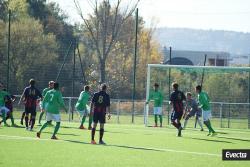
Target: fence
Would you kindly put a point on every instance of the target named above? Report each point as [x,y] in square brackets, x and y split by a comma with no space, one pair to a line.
[225,115]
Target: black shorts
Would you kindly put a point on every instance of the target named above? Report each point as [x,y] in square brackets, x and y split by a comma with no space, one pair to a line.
[30,110]
[99,117]
[176,115]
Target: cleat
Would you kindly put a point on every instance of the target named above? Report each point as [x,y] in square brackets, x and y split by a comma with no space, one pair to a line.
[54,138]
[82,127]
[93,142]
[209,134]
[102,142]
[27,128]
[89,128]
[21,122]
[38,134]
[213,134]
[202,129]
[155,125]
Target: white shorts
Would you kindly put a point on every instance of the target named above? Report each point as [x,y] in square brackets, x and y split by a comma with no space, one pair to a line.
[4,109]
[84,112]
[157,110]
[55,117]
[206,115]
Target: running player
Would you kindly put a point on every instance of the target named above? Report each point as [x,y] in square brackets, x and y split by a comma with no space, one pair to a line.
[192,110]
[30,96]
[50,87]
[204,104]
[52,102]
[157,96]
[176,100]
[100,105]
[82,107]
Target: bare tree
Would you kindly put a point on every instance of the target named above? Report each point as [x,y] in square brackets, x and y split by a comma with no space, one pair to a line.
[104,26]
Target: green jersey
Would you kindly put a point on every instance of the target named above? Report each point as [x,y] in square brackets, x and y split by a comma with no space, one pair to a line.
[82,101]
[203,99]
[157,97]
[54,101]
[45,91]
[2,95]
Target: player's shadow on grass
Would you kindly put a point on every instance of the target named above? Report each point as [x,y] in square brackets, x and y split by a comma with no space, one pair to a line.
[119,146]
[63,134]
[117,132]
[233,138]
[212,140]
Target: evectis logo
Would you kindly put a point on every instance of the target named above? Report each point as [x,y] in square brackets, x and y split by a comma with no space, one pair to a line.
[236,154]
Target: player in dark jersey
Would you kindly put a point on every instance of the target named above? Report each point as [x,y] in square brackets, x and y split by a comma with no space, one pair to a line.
[30,96]
[100,105]
[176,100]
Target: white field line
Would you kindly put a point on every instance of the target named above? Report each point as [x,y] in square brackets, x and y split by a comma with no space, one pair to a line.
[7,137]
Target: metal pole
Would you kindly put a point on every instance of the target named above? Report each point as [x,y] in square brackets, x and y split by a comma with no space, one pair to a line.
[134,74]
[147,97]
[221,104]
[73,78]
[8,58]
[169,79]
[68,51]
[78,51]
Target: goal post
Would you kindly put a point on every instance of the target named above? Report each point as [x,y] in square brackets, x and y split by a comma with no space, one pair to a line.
[223,83]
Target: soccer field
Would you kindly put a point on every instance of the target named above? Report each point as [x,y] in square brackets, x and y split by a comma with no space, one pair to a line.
[127,145]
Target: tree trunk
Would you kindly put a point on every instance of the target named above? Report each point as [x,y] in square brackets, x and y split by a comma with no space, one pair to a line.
[102,71]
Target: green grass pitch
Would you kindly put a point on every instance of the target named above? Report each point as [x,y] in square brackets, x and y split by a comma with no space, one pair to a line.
[127,146]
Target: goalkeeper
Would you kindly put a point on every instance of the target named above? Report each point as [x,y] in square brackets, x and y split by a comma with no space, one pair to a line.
[192,110]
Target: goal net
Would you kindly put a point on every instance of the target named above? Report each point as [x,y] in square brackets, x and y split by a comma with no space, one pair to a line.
[228,89]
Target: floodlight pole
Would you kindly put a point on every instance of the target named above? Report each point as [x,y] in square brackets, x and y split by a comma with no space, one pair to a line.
[73,78]
[169,79]
[8,54]
[249,96]
[134,73]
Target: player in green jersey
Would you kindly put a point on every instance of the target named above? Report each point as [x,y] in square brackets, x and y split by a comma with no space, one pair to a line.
[50,87]
[3,110]
[54,101]
[157,97]
[204,104]
[82,107]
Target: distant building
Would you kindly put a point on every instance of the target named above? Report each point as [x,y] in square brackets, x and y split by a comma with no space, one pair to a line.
[239,59]
[184,57]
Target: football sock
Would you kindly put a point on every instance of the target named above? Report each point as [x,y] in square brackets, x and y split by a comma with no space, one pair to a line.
[210,126]
[101,134]
[156,119]
[12,119]
[56,128]
[206,123]
[93,134]
[26,121]
[160,116]
[199,122]
[4,117]
[90,120]
[44,126]
[23,115]
[33,120]
[83,120]
[40,117]
[185,123]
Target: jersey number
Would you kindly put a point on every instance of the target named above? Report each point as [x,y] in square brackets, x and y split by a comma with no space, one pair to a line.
[100,99]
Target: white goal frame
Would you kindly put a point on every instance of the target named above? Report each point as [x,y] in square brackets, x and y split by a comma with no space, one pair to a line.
[150,66]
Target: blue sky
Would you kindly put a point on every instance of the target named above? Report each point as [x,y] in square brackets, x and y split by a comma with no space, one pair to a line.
[199,14]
